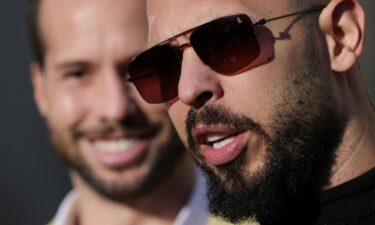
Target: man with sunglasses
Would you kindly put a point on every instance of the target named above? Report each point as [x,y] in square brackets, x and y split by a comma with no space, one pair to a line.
[126,162]
[268,95]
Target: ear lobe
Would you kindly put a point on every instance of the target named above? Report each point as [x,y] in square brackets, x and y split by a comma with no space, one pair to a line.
[343,23]
[37,79]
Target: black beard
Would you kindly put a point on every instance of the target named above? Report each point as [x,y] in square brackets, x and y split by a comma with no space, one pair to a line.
[307,130]
[170,155]
[297,166]
[162,168]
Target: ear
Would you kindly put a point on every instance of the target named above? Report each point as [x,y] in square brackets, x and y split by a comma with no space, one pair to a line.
[343,23]
[37,78]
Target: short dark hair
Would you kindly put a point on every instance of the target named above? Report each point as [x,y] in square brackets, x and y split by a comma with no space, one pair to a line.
[35,37]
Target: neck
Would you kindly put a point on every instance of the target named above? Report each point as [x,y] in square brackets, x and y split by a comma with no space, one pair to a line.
[356,154]
[159,207]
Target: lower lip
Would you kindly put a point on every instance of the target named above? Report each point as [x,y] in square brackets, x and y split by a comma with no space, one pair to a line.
[226,153]
[121,159]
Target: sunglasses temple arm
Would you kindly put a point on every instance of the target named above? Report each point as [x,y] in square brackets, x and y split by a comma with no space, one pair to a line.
[313,9]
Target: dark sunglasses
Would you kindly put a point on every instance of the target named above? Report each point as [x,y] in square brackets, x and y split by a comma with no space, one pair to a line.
[227,45]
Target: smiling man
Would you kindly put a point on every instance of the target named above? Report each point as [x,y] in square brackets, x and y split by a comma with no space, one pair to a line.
[268,95]
[126,162]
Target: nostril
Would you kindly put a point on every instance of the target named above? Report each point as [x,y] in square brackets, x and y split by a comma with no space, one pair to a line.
[202,99]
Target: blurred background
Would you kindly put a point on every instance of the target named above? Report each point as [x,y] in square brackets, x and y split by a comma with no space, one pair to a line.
[32,179]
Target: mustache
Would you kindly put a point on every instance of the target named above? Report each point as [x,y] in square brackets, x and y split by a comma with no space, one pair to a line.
[216,114]
[132,127]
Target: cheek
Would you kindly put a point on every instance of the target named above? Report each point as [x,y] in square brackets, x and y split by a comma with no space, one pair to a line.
[65,108]
[178,114]
[254,93]
[262,87]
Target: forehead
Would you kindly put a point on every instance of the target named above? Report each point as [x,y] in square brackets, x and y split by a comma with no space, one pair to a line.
[167,18]
[74,26]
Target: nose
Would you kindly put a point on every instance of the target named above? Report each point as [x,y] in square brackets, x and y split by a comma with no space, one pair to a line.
[199,85]
[113,100]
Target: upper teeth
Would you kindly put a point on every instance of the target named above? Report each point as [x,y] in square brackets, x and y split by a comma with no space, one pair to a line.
[113,146]
[222,143]
[219,141]
[214,137]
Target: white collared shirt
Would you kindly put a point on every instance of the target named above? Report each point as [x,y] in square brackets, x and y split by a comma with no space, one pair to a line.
[194,212]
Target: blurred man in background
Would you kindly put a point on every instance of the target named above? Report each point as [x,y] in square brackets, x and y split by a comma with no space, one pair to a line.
[126,162]
[269,97]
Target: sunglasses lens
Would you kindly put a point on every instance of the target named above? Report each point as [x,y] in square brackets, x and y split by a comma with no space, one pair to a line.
[227,45]
[156,72]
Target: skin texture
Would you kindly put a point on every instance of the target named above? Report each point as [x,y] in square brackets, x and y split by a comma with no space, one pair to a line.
[82,93]
[303,120]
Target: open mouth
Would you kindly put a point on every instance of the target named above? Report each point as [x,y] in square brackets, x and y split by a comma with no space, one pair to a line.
[218,141]
[220,145]
[121,148]
[114,146]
